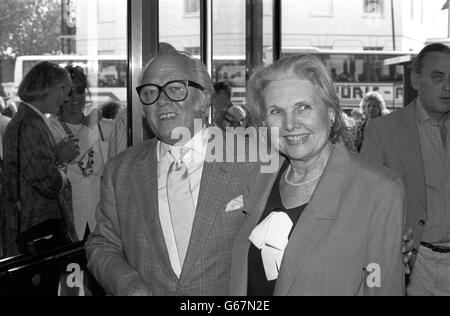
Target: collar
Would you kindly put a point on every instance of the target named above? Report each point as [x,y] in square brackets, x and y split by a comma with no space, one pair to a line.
[47,122]
[198,144]
[423,117]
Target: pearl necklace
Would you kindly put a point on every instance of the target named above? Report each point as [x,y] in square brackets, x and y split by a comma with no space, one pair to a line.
[298,184]
[89,168]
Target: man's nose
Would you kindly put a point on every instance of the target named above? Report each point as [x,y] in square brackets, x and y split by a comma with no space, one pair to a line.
[163,100]
[447,83]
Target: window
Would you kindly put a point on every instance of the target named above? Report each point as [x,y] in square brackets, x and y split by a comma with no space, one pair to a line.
[191,6]
[375,7]
[71,32]
[106,12]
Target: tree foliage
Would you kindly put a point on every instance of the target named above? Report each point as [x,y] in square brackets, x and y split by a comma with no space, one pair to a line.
[29,27]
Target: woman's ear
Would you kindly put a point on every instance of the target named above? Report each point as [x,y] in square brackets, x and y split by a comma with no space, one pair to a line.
[332,115]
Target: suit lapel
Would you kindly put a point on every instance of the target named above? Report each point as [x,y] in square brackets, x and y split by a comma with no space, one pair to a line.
[255,207]
[30,113]
[213,186]
[144,181]
[315,222]
[410,152]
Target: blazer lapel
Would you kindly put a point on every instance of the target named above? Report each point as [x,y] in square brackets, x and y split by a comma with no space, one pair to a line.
[144,181]
[254,207]
[29,112]
[315,222]
[410,152]
[213,186]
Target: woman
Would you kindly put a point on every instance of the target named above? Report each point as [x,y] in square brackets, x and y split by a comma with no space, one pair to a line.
[371,107]
[85,171]
[34,168]
[321,225]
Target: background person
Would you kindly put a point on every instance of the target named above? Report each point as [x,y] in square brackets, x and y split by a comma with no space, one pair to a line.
[414,143]
[372,106]
[317,224]
[110,109]
[34,167]
[93,133]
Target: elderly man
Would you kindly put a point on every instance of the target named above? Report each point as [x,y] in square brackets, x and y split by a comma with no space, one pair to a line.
[414,143]
[167,217]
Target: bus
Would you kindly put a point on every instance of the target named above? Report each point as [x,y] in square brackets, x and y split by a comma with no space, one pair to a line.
[357,72]
[107,75]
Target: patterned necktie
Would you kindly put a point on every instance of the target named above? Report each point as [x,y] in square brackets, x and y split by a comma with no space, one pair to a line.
[181,203]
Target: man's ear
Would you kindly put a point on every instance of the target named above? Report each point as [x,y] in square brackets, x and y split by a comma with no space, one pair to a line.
[414,80]
[207,101]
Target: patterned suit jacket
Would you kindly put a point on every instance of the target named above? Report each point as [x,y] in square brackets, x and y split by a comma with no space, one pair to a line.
[40,180]
[394,142]
[127,251]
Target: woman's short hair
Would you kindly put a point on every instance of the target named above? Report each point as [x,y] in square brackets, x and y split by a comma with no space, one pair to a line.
[373,95]
[301,66]
[80,83]
[40,80]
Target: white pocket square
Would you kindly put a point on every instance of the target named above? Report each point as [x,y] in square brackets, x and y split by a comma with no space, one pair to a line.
[235,204]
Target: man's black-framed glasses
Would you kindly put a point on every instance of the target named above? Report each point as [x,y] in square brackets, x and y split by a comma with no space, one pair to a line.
[176,91]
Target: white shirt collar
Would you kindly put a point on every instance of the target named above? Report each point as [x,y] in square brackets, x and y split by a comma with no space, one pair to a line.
[198,145]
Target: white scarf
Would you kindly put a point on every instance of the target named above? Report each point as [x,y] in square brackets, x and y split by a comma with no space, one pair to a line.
[271,236]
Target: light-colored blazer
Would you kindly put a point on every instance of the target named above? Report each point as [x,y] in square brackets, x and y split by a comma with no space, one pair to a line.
[394,142]
[354,219]
[127,251]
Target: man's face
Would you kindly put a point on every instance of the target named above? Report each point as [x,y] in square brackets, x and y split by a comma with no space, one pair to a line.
[433,84]
[166,115]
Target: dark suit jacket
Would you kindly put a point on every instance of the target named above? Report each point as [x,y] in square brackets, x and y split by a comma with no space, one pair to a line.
[127,251]
[394,142]
[354,219]
[40,180]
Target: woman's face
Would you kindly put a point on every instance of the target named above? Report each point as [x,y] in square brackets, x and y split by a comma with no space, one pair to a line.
[373,108]
[304,121]
[58,95]
[75,105]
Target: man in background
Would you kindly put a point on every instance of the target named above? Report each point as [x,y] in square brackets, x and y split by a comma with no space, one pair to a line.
[414,143]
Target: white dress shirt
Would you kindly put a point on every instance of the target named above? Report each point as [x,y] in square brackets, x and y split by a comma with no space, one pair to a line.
[436,159]
[194,160]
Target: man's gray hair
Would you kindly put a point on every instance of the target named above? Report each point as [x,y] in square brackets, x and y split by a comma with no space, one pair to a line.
[197,66]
